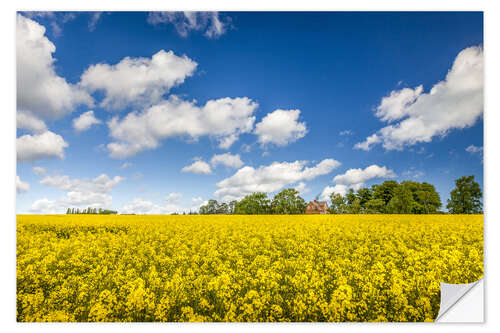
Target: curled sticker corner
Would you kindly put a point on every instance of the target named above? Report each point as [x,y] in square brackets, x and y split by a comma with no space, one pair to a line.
[452,295]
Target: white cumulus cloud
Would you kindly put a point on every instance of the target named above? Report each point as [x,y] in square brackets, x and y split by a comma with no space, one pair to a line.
[280,127]
[25,120]
[360,176]
[355,179]
[224,119]
[137,81]
[227,159]
[40,91]
[454,103]
[79,193]
[271,178]
[199,167]
[338,189]
[34,147]
[85,121]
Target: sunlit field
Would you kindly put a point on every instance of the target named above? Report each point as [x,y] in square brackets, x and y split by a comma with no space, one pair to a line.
[242,268]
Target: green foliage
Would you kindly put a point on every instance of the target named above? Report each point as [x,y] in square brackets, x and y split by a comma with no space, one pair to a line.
[466,197]
[375,206]
[338,204]
[364,195]
[288,202]
[355,206]
[255,203]
[384,191]
[402,202]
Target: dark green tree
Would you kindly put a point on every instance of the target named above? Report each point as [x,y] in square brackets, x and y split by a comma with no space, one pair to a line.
[428,197]
[255,203]
[466,197]
[402,202]
[68,211]
[364,194]
[384,191]
[375,206]
[355,206]
[350,197]
[288,201]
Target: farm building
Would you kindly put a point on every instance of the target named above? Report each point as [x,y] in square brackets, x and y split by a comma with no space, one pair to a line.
[317,207]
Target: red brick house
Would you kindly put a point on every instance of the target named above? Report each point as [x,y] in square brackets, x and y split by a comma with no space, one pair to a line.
[317,207]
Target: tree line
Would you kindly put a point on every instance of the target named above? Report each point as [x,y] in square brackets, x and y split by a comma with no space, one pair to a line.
[390,197]
[90,210]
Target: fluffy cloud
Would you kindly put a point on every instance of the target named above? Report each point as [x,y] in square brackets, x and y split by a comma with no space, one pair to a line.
[21,186]
[102,183]
[184,22]
[25,120]
[46,206]
[80,193]
[270,178]
[280,127]
[355,179]
[360,176]
[137,81]
[224,119]
[39,171]
[85,121]
[232,161]
[169,206]
[339,189]
[40,91]
[302,188]
[368,143]
[34,147]
[455,103]
[199,167]
[395,106]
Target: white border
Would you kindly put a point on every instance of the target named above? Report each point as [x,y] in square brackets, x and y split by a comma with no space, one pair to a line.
[491,158]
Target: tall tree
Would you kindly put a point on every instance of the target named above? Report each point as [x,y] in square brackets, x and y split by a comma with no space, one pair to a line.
[338,204]
[210,208]
[350,196]
[384,191]
[255,203]
[232,205]
[355,206]
[402,202]
[375,206]
[288,201]
[223,208]
[466,197]
[364,194]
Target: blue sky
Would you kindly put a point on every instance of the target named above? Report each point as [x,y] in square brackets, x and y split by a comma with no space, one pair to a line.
[188,107]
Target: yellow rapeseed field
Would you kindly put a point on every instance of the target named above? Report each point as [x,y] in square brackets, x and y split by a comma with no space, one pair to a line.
[242,268]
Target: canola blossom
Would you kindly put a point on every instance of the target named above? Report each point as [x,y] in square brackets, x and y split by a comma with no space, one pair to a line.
[242,268]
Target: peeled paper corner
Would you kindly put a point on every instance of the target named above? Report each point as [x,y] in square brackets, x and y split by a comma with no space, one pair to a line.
[462,303]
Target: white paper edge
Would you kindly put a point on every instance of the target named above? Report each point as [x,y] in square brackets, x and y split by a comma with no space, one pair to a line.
[462,303]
